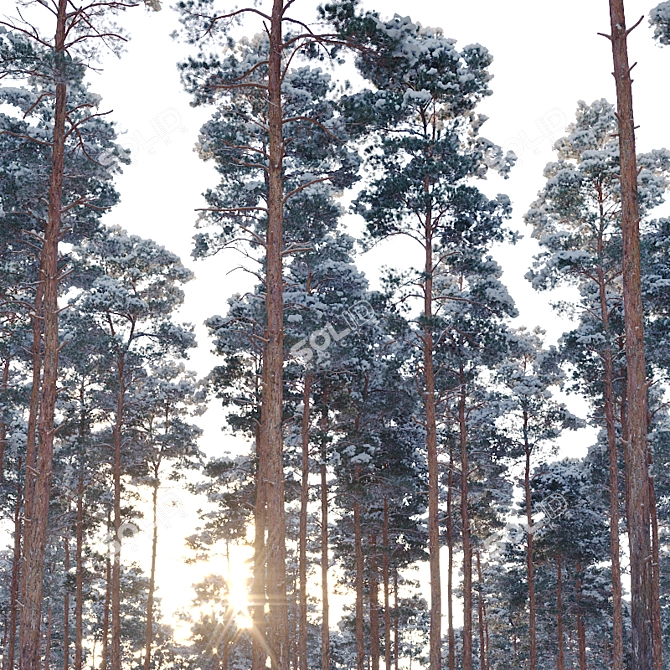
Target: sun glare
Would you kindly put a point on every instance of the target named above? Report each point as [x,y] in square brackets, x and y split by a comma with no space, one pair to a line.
[243,621]
[238,570]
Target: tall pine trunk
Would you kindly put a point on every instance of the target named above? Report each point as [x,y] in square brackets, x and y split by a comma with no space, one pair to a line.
[115,656]
[656,576]
[360,640]
[36,529]
[273,361]
[47,641]
[480,614]
[33,407]
[385,577]
[530,569]
[16,575]
[325,613]
[259,643]
[396,621]
[581,628]
[560,662]
[435,645]
[66,609]
[450,572]
[108,600]
[617,609]
[149,632]
[304,501]
[79,576]
[642,606]
[465,522]
[374,603]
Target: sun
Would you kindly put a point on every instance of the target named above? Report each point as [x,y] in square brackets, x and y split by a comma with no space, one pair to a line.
[238,569]
[244,621]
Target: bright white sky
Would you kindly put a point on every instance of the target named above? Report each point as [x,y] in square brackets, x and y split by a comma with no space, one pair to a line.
[547,57]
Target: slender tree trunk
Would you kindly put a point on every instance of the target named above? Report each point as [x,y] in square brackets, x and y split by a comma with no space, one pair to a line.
[360,640]
[396,621]
[467,548]
[272,396]
[385,575]
[66,609]
[624,439]
[36,530]
[5,638]
[617,609]
[480,614]
[435,648]
[16,575]
[47,646]
[656,576]
[374,603]
[450,572]
[226,652]
[117,540]
[149,633]
[108,599]
[642,605]
[33,408]
[325,616]
[259,643]
[293,624]
[3,426]
[560,663]
[79,577]
[304,501]
[581,629]
[529,548]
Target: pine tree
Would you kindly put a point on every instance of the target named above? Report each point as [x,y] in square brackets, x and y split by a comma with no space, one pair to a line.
[134,287]
[421,159]
[54,67]
[278,133]
[577,221]
[646,642]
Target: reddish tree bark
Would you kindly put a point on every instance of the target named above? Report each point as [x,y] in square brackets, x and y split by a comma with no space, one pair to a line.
[259,644]
[36,530]
[79,577]
[360,640]
[16,575]
[617,609]
[450,573]
[656,576]
[66,610]
[374,603]
[47,642]
[304,501]
[108,599]
[115,655]
[325,616]
[480,615]
[149,631]
[529,549]
[385,576]
[581,628]
[435,643]
[396,621]
[273,360]
[638,476]
[465,522]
